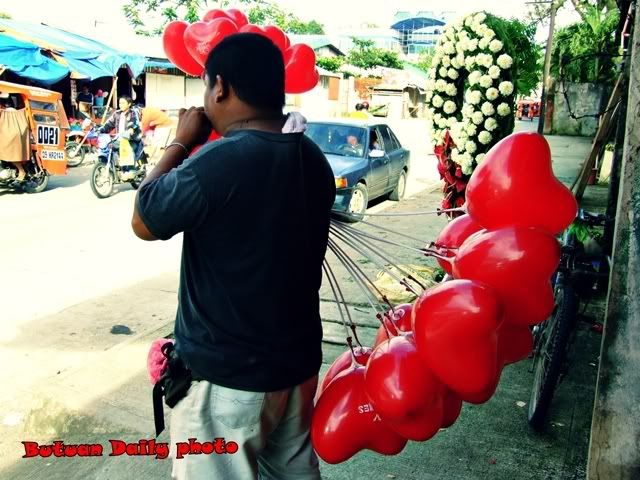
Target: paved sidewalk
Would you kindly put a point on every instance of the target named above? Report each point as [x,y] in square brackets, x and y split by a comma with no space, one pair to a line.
[102,392]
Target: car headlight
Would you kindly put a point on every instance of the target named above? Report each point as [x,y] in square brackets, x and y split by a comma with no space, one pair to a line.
[341,182]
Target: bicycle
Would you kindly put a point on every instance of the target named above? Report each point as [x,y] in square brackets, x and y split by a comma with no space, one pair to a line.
[579,274]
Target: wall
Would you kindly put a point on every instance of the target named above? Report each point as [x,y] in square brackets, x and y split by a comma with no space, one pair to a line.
[584,99]
[165,91]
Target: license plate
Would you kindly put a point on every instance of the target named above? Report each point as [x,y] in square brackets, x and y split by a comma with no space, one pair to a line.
[52,155]
[48,135]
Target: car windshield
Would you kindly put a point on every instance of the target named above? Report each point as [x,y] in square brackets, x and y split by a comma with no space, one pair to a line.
[337,139]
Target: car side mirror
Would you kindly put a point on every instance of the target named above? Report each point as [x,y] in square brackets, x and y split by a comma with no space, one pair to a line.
[376,154]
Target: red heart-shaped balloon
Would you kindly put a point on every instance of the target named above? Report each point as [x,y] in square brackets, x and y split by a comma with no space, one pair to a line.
[455,327]
[398,383]
[238,17]
[174,48]
[517,263]
[278,37]
[452,404]
[401,316]
[515,343]
[421,425]
[453,235]
[515,186]
[251,28]
[202,37]
[344,421]
[301,74]
[214,14]
[345,360]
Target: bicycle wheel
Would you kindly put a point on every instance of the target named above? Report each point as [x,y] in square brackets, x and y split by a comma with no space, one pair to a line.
[550,353]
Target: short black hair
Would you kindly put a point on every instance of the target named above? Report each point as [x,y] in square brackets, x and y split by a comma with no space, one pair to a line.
[253,66]
[127,98]
[358,106]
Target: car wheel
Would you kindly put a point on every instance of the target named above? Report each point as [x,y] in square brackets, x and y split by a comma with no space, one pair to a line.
[358,203]
[398,193]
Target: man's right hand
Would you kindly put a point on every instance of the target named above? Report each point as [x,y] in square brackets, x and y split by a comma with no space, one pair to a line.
[193,128]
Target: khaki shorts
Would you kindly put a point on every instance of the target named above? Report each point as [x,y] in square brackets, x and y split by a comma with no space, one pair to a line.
[271,433]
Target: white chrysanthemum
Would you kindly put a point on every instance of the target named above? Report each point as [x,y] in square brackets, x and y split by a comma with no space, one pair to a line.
[429,95]
[449,48]
[504,109]
[472,45]
[450,33]
[494,72]
[436,116]
[432,73]
[462,45]
[441,85]
[506,88]
[495,46]
[437,101]
[459,23]
[470,146]
[480,158]
[485,137]
[470,62]
[474,77]
[454,63]
[477,118]
[490,124]
[451,121]
[480,17]
[442,72]
[468,110]
[446,61]
[468,21]
[477,28]
[451,90]
[471,129]
[492,94]
[449,107]
[453,73]
[460,58]
[488,61]
[488,109]
[488,33]
[484,43]
[486,81]
[431,84]
[474,97]
[455,154]
[442,123]
[505,61]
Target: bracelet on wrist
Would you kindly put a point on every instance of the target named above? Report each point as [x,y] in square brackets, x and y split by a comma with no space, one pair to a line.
[178,144]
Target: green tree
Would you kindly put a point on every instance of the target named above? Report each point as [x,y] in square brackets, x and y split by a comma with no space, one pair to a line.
[5,15]
[259,12]
[366,55]
[586,51]
[541,12]
[332,64]
[425,58]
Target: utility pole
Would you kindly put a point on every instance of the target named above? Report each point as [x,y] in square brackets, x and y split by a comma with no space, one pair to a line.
[547,67]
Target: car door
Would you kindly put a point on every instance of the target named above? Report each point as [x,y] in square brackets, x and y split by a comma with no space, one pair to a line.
[379,182]
[395,153]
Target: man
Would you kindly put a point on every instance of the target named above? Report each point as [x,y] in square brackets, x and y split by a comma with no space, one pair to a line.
[359,113]
[254,207]
[84,100]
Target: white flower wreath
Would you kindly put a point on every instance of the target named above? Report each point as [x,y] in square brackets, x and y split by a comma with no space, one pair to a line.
[470,91]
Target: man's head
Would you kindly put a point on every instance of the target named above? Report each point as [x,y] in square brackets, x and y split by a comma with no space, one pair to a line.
[358,107]
[85,88]
[365,105]
[244,78]
[353,138]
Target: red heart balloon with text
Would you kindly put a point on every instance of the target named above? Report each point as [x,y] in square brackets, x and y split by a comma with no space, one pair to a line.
[515,186]
[517,264]
[202,37]
[400,317]
[456,332]
[454,235]
[344,421]
[174,48]
[301,74]
[345,360]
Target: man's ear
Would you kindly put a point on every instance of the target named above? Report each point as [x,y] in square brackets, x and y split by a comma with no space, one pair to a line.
[221,89]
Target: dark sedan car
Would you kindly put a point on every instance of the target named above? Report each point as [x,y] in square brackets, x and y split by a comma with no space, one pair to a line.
[367,159]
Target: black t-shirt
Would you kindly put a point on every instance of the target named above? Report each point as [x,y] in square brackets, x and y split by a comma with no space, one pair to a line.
[254,208]
[85,97]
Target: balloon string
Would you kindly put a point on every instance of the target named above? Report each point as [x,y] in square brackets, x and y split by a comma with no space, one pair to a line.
[329,274]
[404,235]
[361,279]
[438,255]
[377,250]
[344,302]
[358,248]
[374,237]
[398,214]
[363,282]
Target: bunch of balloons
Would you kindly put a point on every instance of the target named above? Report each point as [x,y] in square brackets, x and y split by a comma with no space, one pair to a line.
[188,46]
[452,344]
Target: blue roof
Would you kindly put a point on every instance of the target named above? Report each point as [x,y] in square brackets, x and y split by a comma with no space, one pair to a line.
[26,60]
[416,23]
[85,57]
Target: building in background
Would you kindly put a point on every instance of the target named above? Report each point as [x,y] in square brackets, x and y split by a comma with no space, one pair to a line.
[418,33]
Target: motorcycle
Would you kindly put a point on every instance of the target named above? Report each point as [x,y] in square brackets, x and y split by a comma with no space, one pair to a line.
[107,171]
[81,143]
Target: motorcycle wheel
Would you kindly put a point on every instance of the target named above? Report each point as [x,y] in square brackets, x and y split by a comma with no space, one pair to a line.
[102,180]
[36,184]
[77,159]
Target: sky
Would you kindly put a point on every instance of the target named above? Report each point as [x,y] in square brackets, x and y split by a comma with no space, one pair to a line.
[334,14]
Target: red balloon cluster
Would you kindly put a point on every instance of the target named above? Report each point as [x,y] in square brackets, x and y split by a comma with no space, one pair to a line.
[453,343]
[188,46]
